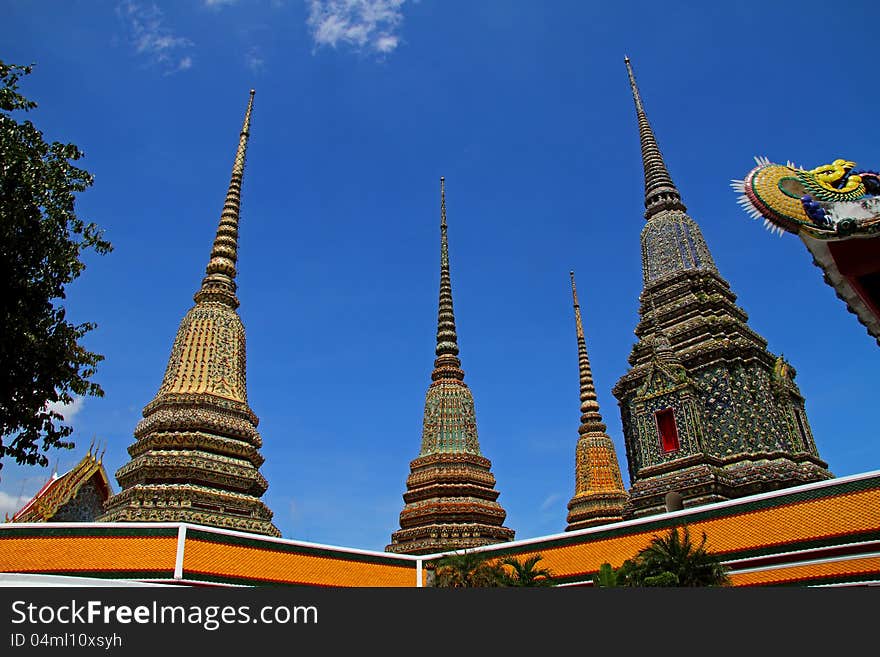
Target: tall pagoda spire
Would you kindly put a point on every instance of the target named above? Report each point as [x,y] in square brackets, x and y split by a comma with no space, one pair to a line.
[705,413]
[450,502]
[196,455]
[219,282]
[660,191]
[599,496]
[447,364]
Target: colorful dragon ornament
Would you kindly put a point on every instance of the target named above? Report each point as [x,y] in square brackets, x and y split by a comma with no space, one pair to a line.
[826,202]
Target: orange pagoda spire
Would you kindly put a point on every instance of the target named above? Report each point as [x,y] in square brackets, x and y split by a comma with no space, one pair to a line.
[196,456]
[450,501]
[599,495]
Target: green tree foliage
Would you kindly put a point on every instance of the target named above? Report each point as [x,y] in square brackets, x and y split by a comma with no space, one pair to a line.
[467,570]
[41,241]
[525,573]
[607,577]
[670,560]
[477,570]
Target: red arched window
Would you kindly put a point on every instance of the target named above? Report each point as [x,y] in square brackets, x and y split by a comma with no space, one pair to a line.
[667,429]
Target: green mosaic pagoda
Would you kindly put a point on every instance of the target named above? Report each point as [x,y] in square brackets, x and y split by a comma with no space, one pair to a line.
[708,412]
[196,456]
[450,501]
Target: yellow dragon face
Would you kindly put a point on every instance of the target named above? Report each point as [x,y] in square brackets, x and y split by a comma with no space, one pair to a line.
[829,176]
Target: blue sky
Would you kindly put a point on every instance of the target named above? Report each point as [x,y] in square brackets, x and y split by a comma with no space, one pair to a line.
[360,107]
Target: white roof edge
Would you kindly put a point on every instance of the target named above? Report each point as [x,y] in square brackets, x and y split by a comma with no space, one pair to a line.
[805,562]
[204,528]
[33,580]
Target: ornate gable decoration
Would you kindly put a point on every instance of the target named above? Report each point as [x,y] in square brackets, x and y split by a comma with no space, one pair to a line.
[60,491]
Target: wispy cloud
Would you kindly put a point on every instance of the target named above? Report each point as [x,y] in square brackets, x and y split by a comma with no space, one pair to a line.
[67,411]
[154,40]
[366,25]
[219,3]
[254,59]
[549,501]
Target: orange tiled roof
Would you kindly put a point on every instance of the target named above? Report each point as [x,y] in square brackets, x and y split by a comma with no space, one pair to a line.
[820,533]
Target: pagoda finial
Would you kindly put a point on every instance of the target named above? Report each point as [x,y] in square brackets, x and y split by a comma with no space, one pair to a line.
[443,205]
[660,191]
[591,419]
[447,365]
[219,282]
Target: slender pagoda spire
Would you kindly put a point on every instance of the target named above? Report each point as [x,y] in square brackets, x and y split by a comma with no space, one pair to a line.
[705,412]
[450,501]
[660,191]
[196,458]
[447,365]
[219,282]
[599,496]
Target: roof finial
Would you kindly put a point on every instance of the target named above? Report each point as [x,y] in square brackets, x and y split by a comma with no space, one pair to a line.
[447,364]
[660,191]
[591,419]
[219,282]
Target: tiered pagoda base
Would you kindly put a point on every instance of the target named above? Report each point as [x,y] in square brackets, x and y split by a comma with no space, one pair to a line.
[450,504]
[594,509]
[196,460]
[702,479]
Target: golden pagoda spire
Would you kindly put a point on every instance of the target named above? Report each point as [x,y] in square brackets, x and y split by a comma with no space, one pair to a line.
[660,191]
[196,457]
[219,282]
[599,496]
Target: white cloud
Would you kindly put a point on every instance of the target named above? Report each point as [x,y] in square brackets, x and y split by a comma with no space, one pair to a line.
[368,25]
[386,43]
[254,60]
[152,39]
[11,504]
[219,3]
[67,411]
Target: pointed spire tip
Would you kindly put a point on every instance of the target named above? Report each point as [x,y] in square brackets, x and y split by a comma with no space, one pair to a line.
[660,192]
[219,281]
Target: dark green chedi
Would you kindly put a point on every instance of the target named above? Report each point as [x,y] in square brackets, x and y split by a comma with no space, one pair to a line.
[708,412]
